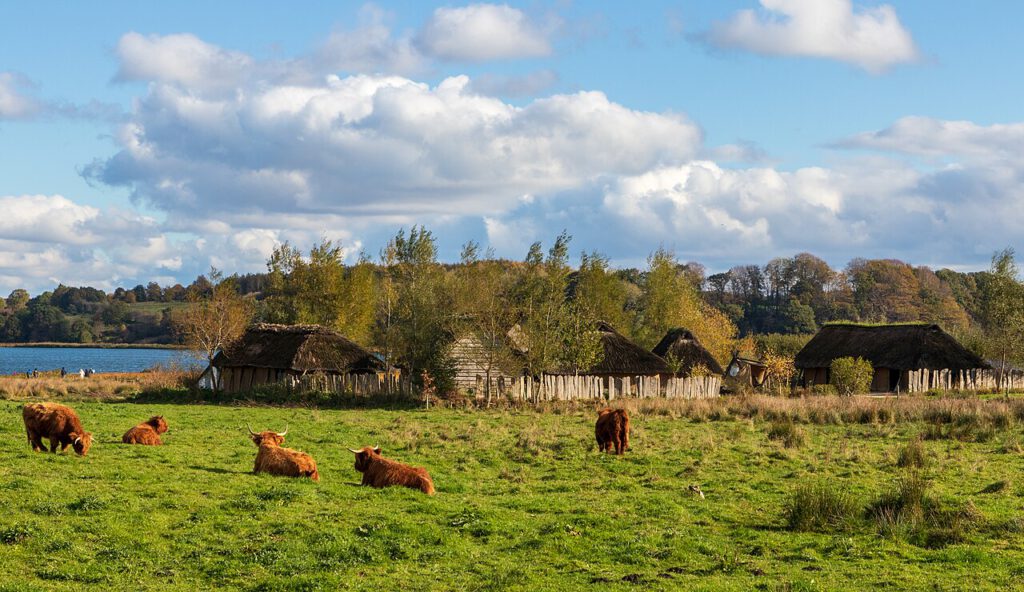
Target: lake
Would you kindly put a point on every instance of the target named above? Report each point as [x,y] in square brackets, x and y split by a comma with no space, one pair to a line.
[22,359]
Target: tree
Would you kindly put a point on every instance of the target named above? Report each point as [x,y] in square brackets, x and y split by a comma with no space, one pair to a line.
[669,301]
[540,296]
[483,294]
[213,323]
[602,292]
[419,322]
[1003,311]
[17,300]
[581,346]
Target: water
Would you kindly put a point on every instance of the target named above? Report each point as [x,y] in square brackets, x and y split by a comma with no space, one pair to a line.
[22,359]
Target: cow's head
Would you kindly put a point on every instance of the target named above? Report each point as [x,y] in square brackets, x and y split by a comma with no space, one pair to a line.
[81,442]
[269,438]
[158,423]
[364,456]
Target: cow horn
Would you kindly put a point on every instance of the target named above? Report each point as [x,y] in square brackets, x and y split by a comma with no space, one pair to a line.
[376,449]
[78,439]
[282,434]
[251,433]
[354,451]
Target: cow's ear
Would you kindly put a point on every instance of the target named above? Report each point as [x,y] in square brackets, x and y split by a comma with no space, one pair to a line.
[376,449]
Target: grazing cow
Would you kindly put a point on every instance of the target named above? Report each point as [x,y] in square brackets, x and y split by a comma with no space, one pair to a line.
[274,459]
[147,433]
[612,429]
[58,423]
[381,472]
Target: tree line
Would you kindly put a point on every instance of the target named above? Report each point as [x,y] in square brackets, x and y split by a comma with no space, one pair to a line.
[410,307]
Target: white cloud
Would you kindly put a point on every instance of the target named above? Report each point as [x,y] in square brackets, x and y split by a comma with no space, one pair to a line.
[481,32]
[378,146]
[925,136]
[14,102]
[871,38]
[181,58]
[369,48]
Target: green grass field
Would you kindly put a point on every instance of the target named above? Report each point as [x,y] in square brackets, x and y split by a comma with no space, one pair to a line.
[524,502]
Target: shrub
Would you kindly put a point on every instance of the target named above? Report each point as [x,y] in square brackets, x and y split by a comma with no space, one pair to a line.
[913,455]
[824,390]
[851,375]
[791,435]
[820,506]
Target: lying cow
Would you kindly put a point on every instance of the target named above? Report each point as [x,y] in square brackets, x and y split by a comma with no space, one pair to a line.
[612,429]
[281,461]
[147,433]
[381,472]
[58,423]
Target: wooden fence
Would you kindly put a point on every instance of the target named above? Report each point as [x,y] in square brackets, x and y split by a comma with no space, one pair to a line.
[918,381]
[360,385]
[549,388]
[568,388]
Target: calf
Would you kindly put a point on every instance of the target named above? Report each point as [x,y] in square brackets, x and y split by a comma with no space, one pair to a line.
[612,429]
[58,423]
[382,472]
[274,459]
[147,433]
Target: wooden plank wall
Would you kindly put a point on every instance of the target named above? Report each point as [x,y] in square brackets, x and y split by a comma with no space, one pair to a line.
[919,381]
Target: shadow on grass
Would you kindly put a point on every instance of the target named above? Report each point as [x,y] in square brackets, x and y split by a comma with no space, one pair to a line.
[272,397]
[219,470]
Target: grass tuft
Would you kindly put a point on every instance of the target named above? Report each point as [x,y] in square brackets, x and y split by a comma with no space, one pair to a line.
[821,507]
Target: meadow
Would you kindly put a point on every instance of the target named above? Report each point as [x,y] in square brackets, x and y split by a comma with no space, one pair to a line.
[524,500]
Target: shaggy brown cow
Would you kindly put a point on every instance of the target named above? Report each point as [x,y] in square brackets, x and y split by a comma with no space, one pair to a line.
[147,433]
[381,472]
[612,429]
[58,423]
[281,461]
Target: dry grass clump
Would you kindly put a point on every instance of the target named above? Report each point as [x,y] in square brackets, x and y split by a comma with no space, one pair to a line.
[790,434]
[909,512]
[114,386]
[821,507]
[913,455]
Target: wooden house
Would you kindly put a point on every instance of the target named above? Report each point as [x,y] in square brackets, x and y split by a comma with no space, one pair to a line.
[899,353]
[681,349]
[270,353]
[480,371]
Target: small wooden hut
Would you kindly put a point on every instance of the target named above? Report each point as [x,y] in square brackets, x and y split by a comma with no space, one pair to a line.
[680,347]
[275,353]
[744,373]
[480,371]
[893,350]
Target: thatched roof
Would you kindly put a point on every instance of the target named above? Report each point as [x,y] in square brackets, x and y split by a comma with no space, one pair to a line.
[622,357]
[682,345]
[300,348]
[900,347]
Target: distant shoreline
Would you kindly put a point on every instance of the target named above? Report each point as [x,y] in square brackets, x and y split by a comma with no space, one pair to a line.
[53,344]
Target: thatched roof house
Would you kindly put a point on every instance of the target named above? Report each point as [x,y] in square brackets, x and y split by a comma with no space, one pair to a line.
[622,357]
[270,353]
[893,351]
[682,346]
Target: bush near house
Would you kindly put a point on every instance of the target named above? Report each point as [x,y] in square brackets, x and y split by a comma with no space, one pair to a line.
[851,375]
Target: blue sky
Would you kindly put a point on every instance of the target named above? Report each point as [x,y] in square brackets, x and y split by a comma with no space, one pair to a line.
[144,141]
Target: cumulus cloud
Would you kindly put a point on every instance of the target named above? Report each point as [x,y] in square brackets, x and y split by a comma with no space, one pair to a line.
[526,85]
[872,38]
[377,146]
[46,239]
[481,32]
